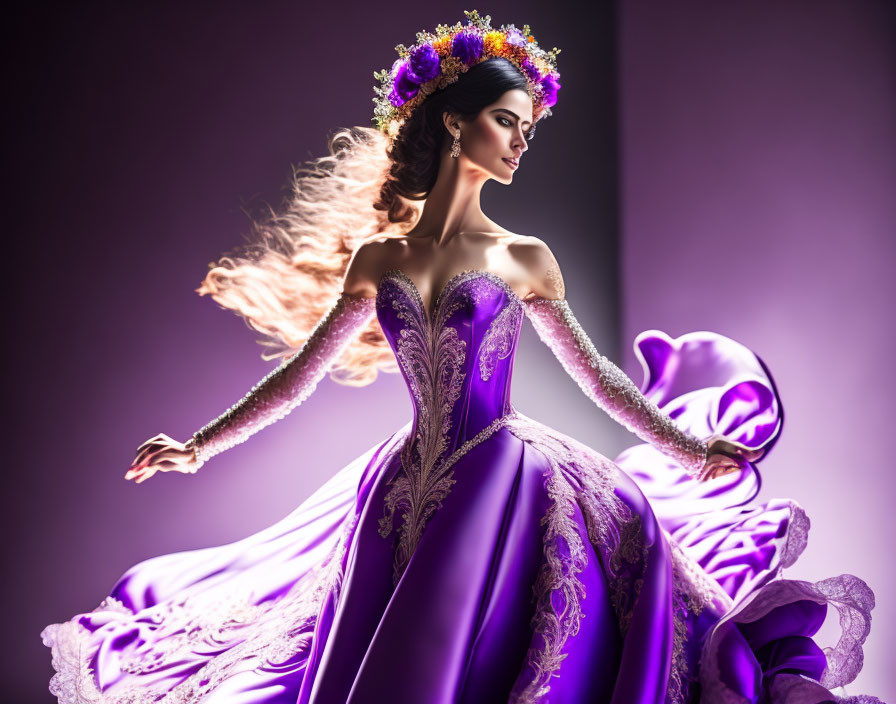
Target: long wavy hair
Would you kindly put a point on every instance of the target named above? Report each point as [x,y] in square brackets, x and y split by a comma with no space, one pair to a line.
[290,272]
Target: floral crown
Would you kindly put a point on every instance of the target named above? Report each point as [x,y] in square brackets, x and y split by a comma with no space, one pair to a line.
[437,60]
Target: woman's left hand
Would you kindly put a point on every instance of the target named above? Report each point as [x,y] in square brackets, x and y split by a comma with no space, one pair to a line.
[718,465]
[726,456]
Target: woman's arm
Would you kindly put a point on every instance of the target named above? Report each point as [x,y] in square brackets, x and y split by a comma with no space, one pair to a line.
[287,386]
[601,380]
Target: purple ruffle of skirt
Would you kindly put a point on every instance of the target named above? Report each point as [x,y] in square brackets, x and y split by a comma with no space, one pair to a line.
[762,649]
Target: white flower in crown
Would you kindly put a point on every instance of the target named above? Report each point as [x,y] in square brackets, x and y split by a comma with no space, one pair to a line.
[437,60]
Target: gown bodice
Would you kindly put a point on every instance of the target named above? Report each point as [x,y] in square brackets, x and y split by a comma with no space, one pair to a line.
[457,359]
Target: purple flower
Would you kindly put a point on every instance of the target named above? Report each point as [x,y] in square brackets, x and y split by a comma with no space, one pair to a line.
[467,46]
[551,85]
[515,37]
[395,99]
[424,63]
[530,71]
[404,86]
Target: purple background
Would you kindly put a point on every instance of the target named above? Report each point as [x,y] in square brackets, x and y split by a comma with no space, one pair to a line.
[758,157]
[735,180]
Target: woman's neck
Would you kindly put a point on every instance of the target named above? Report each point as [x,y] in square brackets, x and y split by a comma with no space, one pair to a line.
[453,205]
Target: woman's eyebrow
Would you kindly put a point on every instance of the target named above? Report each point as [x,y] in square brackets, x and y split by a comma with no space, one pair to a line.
[510,112]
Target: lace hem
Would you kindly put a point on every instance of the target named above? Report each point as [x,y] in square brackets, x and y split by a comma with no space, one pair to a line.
[849,594]
[226,632]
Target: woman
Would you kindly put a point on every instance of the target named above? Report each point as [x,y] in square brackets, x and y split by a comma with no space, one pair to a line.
[475,555]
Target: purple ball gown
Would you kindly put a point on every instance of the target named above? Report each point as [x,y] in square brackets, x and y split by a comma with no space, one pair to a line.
[478,556]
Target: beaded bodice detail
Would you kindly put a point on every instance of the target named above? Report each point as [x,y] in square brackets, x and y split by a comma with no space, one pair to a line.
[456,359]
[457,362]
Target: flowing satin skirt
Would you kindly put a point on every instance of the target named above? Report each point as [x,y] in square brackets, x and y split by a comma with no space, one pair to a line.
[548,573]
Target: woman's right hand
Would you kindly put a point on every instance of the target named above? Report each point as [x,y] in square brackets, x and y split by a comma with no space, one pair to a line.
[162,454]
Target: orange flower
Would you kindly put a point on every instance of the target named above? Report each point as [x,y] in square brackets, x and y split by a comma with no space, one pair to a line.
[442,45]
[517,52]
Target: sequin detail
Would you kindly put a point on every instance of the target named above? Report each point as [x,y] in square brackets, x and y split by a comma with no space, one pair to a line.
[608,386]
[293,381]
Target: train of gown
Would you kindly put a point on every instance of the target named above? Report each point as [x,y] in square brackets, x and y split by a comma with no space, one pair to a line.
[546,572]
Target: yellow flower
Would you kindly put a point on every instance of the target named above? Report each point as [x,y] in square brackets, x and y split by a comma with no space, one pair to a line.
[442,45]
[493,43]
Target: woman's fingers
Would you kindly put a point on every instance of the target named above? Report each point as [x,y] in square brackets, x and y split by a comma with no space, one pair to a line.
[154,450]
[137,467]
[166,459]
[153,440]
[144,477]
[140,469]
[139,475]
[748,453]
[718,466]
[146,453]
[141,458]
[170,457]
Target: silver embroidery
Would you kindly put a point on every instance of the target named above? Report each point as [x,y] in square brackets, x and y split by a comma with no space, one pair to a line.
[578,476]
[626,571]
[497,343]
[433,358]
[557,584]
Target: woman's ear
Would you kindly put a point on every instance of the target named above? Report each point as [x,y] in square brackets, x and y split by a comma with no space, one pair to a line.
[451,123]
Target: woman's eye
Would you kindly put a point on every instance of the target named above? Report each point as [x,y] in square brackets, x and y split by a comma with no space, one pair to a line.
[505,122]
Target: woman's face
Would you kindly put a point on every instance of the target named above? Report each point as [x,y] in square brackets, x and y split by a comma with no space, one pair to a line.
[493,143]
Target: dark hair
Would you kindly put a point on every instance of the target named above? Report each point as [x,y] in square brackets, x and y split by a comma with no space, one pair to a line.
[416,149]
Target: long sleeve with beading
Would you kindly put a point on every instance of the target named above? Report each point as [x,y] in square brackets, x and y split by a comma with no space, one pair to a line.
[608,386]
[285,387]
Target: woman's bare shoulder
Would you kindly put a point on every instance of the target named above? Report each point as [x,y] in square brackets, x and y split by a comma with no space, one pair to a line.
[536,257]
[367,264]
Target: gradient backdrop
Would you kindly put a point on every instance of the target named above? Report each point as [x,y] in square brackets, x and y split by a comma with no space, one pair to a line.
[729,167]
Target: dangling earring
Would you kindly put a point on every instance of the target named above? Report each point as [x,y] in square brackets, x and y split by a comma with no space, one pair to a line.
[455,148]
